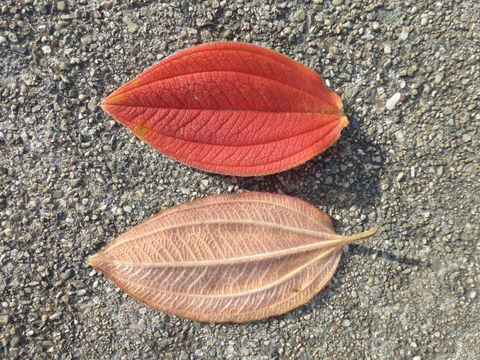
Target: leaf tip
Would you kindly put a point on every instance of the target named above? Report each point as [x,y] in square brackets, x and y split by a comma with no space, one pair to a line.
[92,261]
[346,240]
[364,235]
[103,105]
[113,99]
[372,231]
[344,121]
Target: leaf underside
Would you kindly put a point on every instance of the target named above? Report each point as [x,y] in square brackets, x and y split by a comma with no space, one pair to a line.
[227,258]
[231,108]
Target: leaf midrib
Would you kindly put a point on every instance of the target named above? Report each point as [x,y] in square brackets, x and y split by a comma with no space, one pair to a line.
[335,240]
[270,285]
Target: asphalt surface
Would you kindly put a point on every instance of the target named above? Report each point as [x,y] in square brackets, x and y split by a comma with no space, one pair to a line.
[72,179]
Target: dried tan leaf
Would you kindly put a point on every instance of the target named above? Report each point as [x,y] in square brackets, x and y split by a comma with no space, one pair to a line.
[237,257]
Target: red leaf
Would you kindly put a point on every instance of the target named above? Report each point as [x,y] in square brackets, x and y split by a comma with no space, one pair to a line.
[231,108]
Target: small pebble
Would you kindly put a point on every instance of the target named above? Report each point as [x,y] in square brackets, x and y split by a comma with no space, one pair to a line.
[299,15]
[131,26]
[399,136]
[404,34]
[47,50]
[55,316]
[142,311]
[86,40]
[75,182]
[438,78]
[16,217]
[67,274]
[19,49]
[92,104]
[107,5]
[392,101]
[61,6]
[15,340]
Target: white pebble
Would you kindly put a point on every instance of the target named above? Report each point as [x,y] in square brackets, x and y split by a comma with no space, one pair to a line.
[399,136]
[404,34]
[390,104]
[47,50]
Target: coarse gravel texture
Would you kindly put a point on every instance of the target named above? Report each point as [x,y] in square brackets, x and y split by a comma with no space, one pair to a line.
[72,179]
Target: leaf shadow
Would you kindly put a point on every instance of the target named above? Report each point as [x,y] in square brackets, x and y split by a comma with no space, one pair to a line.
[324,296]
[389,256]
[345,175]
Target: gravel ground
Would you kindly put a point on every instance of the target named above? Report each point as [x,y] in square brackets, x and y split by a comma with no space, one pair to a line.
[72,179]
